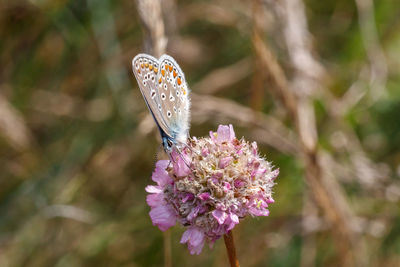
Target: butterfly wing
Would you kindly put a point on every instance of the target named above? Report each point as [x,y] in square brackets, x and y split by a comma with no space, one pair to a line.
[146,69]
[174,98]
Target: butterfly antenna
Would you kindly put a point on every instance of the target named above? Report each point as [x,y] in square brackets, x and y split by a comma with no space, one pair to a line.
[171,158]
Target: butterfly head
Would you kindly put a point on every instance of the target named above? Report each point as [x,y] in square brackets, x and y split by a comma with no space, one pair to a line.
[177,140]
[168,144]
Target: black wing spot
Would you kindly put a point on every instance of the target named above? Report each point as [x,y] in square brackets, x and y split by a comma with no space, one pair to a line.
[163,96]
[169,114]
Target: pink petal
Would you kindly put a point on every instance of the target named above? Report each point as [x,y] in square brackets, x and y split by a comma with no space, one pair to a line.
[239,183]
[195,239]
[225,133]
[213,136]
[188,196]
[154,200]
[258,172]
[254,148]
[160,175]
[227,187]
[220,216]
[205,152]
[204,196]
[225,162]
[180,162]
[275,173]
[231,221]
[163,216]
[193,213]
[258,212]
[153,189]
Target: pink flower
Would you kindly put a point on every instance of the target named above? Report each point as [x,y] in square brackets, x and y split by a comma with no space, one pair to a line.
[209,185]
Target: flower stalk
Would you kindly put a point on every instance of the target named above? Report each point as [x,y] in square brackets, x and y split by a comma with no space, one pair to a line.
[230,249]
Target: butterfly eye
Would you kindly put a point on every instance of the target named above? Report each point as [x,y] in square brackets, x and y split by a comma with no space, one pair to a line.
[169,142]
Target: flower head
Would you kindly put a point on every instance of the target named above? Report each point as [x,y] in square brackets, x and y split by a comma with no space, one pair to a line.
[209,186]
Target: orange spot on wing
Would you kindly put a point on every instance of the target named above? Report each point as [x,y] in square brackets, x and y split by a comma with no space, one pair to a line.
[159,81]
[166,67]
[155,70]
[183,91]
[146,64]
[150,67]
[175,74]
[163,72]
[170,68]
[138,71]
[142,66]
[179,81]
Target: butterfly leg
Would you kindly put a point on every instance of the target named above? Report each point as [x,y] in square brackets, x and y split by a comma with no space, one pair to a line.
[183,158]
[191,149]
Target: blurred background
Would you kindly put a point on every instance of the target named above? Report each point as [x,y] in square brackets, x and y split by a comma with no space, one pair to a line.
[315,83]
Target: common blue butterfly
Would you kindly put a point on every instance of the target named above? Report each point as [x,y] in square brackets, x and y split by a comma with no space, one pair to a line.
[163,86]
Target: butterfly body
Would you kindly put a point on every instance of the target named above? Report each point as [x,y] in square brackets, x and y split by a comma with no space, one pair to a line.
[163,86]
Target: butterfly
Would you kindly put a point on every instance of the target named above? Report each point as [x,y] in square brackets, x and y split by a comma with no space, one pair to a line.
[163,86]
